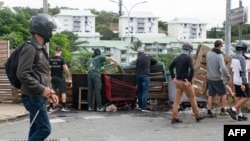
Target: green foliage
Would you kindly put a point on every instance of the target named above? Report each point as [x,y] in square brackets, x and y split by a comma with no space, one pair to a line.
[15,39]
[13,27]
[136,45]
[79,63]
[73,43]
[166,59]
[104,30]
[61,40]
[162,25]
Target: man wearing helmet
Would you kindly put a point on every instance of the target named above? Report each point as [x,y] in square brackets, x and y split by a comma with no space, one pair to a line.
[215,67]
[240,81]
[143,63]
[33,72]
[183,65]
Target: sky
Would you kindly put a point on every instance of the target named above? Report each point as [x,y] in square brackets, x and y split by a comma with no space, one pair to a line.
[212,12]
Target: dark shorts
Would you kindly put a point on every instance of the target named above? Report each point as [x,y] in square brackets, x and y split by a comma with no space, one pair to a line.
[216,87]
[240,93]
[58,83]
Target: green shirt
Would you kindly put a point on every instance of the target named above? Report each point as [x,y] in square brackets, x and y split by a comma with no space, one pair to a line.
[95,64]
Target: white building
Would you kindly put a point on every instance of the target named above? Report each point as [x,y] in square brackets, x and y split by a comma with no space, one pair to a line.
[187,29]
[81,22]
[137,23]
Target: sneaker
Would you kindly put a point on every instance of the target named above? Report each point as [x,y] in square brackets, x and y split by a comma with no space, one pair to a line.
[100,109]
[200,118]
[137,108]
[144,110]
[90,109]
[176,121]
[65,109]
[223,114]
[232,113]
[242,118]
[51,109]
[211,115]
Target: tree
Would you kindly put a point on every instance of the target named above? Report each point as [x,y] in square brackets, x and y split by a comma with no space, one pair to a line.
[136,44]
[15,39]
[73,40]
[104,30]
[61,40]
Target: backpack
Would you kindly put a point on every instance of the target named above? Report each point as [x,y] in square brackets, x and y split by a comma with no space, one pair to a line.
[12,64]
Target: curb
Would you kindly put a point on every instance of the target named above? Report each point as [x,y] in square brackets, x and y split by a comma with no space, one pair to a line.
[14,117]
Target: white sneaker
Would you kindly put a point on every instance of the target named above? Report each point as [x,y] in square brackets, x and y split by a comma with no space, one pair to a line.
[90,109]
[51,109]
[65,109]
[100,109]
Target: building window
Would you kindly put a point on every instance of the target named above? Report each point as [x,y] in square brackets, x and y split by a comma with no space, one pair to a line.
[76,23]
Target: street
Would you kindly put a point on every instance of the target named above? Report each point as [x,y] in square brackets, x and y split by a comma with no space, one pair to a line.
[124,125]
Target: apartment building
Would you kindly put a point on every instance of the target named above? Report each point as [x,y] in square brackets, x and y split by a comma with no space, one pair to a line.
[187,29]
[81,22]
[137,23]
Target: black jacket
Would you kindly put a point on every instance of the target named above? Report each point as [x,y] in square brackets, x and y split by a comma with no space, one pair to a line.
[34,75]
[143,63]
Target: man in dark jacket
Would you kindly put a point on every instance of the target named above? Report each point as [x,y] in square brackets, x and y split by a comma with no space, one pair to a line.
[143,63]
[35,78]
[183,65]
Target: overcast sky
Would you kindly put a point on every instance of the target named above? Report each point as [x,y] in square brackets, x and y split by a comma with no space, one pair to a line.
[212,12]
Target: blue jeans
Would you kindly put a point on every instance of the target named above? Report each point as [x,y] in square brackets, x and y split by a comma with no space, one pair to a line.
[41,128]
[142,82]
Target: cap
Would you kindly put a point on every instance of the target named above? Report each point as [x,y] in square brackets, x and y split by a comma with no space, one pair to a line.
[140,49]
[58,49]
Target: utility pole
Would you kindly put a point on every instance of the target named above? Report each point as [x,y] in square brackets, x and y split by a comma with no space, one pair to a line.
[45,10]
[120,7]
[1,4]
[240,25]
[45,6]
[227,27]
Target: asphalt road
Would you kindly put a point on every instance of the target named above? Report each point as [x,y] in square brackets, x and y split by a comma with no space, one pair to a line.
[124,125]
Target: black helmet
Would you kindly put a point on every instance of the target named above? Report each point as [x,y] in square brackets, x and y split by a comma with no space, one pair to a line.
[241,46]
[187,46]
[43,25]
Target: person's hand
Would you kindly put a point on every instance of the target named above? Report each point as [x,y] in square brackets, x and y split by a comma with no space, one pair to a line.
[54,99]
[116,64]
[68,79]
[187,83]
[174,80]
[47,92]
[242,86]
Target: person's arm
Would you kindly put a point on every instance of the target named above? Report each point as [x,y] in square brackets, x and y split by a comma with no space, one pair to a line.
[171,69]
[224,68]
[152,60]
[66,71]
[107,58]
[191,70]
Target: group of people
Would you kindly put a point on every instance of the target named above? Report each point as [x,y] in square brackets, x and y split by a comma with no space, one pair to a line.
[41,75]
[218,80]
[41,78]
